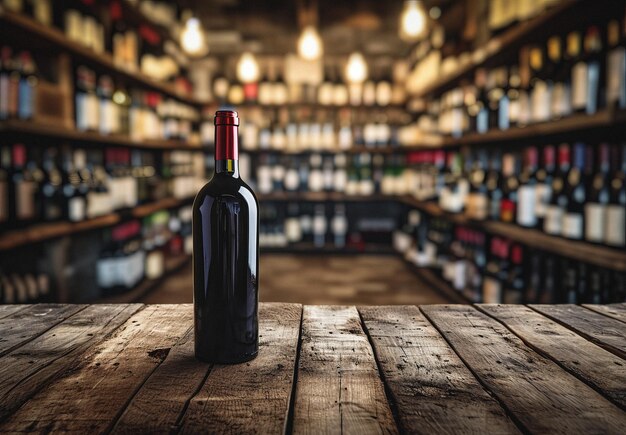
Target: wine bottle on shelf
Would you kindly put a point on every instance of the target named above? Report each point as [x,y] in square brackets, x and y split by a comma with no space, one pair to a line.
[493,182]
[527,192]
[75,200]
[515,284]
[550,283]
[598,198]
[540,95]
[225,256]
[579,75]
[615,226]
[534,277]
[5,171]
[543,188]
[9,84]
[319,226]
[27,93]
[510,184]
[555,211]
[615,66]
[556,79]
[575,192]
[492,282]
[52,188]
[339,226]
[596,90]
[477,200]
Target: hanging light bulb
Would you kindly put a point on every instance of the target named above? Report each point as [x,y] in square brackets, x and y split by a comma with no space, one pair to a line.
[356,69]
[247,68]
[310,44]
[192,38]
[412,20]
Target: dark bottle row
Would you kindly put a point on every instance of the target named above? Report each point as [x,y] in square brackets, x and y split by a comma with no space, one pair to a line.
[49,184]
[104,263]
[493,269]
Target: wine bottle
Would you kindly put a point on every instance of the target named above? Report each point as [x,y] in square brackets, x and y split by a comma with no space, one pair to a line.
[543,189]
[527,192]
[615,232]
[515,282]
[575,192]
[553,222]
[226,256]
[595,208]
[5,165]
[615,67]
[494,186]
[510,184]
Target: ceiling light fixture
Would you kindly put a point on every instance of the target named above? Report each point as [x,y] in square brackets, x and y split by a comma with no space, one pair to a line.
[413,21]
[247,68]
[356,69]
[192,38]
[310,46]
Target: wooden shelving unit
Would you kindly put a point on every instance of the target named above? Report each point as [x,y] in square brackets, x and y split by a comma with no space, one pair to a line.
[46,231]
[172,265]
[310,249]
[565,16]
[352,150]
[579,250]
[582,251]
[37,129]
[39,36]
[318,106]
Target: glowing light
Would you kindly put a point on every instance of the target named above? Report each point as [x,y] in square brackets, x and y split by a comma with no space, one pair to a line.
[192,38]
[247,68]
[310,44]
[412,20]
[356,70]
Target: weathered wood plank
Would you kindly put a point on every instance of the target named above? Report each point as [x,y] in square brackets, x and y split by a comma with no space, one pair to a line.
[24,325]
[536,391]
[90,397]
[29,368]
[590,363]
[432,389]
[8,310]
[604,331]
[253,397]
[616,311]
[339,389]
[167,391]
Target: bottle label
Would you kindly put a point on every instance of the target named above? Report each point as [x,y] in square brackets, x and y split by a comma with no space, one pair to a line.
[25,206]
[503,113]
[595,219]
[615,235]
[76,209]
[540,101]
[526,206]
[26,102]
[579,85]
[458,281]
[477,206]
[492,291]
[507,210]
[573,225]
[553,222]
[593,83]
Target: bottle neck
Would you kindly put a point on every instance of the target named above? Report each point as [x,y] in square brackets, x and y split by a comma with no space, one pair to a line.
[227,150]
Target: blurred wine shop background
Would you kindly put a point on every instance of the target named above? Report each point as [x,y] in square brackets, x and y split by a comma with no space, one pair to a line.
[403,152]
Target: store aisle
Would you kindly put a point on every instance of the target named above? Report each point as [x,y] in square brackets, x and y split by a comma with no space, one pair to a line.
[342,279]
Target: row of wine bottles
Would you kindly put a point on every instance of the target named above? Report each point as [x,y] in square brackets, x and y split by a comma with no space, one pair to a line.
[19,285]
[136,249]
[568,74]
[52,184]
[303,223]
[18,84]
[493,269]
[111,27]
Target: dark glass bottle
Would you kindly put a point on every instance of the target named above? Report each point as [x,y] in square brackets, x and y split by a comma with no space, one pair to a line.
[598,198]
[225,256]
[575,191]
[553,221]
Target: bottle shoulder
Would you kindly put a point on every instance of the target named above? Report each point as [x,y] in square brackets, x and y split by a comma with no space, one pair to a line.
[226,188]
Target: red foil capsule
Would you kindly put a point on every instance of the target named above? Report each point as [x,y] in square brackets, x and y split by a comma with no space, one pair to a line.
[226,137]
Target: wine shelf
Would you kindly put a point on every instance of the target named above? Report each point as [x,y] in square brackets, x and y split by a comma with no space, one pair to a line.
[428,275]
[311,249]
[46,231]
[566,13]
[319,106]
[172,265]
[582,251]
[38,129]
[39,36]
[352,150]
[579,250]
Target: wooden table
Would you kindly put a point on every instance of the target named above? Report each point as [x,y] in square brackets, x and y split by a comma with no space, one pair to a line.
[432,369]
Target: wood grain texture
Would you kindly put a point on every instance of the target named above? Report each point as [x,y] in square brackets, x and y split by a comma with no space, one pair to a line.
[602,330]
[433,391]
[29,368]
[339,389]
[616,311]
[8,310]
[595,366]
[24,325]
[168,390]
[536,391]
[252,397]
[91,396]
